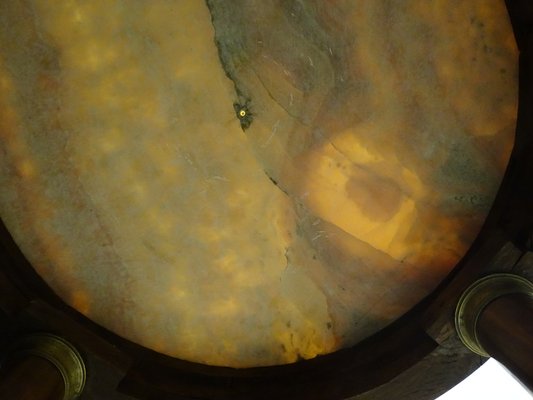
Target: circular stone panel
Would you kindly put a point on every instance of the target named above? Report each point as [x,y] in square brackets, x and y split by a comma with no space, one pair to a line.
[254,182]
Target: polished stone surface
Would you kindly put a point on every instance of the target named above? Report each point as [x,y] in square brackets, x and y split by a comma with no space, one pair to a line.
[251,182]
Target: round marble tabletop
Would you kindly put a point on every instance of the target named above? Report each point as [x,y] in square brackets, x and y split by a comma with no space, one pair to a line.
[251,182]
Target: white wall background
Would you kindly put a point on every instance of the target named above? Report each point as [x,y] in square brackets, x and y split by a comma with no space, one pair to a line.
[489,382]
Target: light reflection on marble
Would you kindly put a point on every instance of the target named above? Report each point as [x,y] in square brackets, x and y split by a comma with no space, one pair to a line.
[380,133]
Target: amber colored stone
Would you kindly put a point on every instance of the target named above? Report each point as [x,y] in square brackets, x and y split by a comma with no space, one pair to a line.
[251,182]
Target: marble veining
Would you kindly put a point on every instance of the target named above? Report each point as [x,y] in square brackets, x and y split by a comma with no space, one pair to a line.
[251,182]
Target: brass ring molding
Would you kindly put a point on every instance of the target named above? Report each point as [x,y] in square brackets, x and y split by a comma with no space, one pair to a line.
[60,353]
[478,295]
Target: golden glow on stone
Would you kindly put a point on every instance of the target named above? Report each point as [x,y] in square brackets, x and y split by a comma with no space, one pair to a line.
[130,186]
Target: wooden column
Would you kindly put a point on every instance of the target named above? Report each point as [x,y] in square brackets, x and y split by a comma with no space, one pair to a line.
[31,378]
[505,331]
[494,318]
[42,367]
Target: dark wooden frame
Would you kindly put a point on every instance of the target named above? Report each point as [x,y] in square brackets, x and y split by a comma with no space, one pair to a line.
[374,366]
